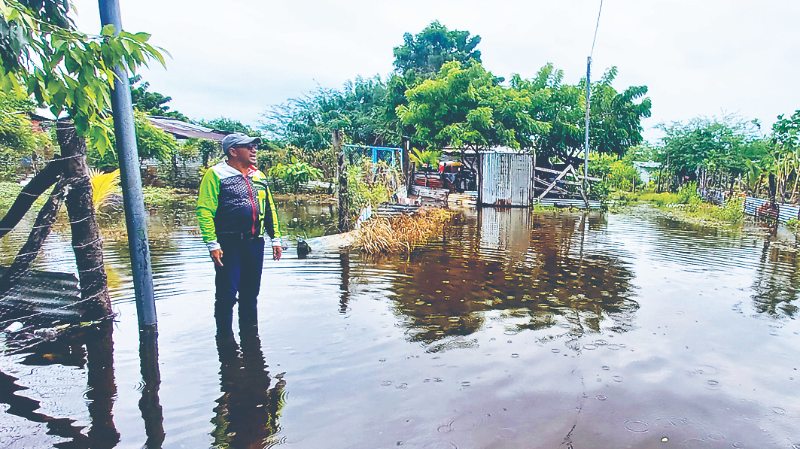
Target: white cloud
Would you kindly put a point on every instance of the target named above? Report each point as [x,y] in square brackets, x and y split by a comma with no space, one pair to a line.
[236,58]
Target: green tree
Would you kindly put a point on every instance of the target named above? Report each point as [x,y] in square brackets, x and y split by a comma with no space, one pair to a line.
[615,120]
[465,107]
[426,52]
[18,138]
[229,125]
[151,141]
[357,109]
[45,57]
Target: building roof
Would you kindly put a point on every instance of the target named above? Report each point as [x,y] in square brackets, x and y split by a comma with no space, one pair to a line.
[184,130]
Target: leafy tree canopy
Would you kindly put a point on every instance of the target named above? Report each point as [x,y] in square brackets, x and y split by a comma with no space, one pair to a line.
[70,72]
[615,120]
[230,125]
[358,109]
[426,52]
[464,106]
[152,142]
[711,144]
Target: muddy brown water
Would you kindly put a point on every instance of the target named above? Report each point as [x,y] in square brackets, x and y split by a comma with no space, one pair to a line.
[514,330]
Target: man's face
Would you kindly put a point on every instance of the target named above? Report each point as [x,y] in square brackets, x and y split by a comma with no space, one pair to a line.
[245,154]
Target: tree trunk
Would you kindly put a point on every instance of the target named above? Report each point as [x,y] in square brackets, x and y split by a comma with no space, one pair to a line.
[86,241]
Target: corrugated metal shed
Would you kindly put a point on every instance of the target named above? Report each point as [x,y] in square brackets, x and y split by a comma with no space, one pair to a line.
[785,211]
[505,179]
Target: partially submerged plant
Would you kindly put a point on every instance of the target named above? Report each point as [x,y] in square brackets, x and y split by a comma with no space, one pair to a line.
[403,233]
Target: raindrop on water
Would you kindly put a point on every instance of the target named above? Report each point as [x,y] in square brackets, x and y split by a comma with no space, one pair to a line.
[636,426]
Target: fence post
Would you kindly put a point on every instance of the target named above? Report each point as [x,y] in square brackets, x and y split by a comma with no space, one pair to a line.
[344,195]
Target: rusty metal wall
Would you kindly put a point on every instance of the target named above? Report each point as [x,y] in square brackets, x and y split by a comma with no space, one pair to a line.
[785,211]
[506,179]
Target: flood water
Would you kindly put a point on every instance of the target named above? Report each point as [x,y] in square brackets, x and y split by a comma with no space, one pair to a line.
[514,330]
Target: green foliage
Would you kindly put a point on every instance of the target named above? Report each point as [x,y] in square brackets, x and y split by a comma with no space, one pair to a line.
[358,110]
[464,106]
[45,57]
[166,196]
[712,144]
[429,158]
[230,125]
[295,174]
[615,121]
[152,103]
[151,141]
[426,52]
[370,184]
[8,193]
[18,138]
[204,148]
[688,195]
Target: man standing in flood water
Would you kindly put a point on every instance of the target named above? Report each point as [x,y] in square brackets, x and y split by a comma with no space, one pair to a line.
[234,210]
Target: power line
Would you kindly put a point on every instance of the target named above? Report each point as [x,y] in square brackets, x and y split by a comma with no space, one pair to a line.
[596,27]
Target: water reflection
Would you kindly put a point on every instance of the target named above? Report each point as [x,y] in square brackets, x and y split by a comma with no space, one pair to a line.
[775,287]
[534,269]
[149,404]
[92,350]
[247,412]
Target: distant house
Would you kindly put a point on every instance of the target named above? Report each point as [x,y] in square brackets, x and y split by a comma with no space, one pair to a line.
[182,130]
[646,169]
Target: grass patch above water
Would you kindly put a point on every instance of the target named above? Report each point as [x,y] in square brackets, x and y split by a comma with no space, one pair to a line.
[403,233]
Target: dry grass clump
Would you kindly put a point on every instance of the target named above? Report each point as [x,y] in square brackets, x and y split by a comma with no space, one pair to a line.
[403,233]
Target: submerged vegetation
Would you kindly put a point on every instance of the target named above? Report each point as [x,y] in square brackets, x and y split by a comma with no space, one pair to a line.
[403,233]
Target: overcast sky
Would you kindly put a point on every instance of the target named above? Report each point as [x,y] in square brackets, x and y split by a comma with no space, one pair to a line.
[235,58]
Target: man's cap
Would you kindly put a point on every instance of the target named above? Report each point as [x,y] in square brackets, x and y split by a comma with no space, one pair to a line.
[237,139]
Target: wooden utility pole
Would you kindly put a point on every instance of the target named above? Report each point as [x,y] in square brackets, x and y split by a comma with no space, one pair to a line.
[341,169]
[86,241]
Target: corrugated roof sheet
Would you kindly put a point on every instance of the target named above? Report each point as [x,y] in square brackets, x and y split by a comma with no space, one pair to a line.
[186,130]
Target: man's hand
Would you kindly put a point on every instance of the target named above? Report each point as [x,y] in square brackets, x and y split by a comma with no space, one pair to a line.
[216,256]
[276,252]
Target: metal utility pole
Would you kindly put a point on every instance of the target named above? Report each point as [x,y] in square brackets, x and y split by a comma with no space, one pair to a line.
[131,179]
[586,136]
[585,190]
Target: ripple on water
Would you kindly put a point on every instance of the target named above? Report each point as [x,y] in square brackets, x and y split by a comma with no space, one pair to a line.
[636,426]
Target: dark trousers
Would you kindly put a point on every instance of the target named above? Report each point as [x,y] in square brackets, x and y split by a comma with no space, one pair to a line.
[242,261]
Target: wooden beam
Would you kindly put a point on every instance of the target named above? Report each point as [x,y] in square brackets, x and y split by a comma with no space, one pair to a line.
[553,184]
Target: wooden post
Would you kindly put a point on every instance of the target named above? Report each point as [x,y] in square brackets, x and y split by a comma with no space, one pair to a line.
[86,241]
[344,196]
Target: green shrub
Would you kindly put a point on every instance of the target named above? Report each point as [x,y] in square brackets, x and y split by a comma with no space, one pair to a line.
[688,195]
[295,174]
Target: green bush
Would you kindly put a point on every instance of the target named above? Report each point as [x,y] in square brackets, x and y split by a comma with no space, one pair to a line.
[295,174]
[688,195]
[8,193]
[370,184]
